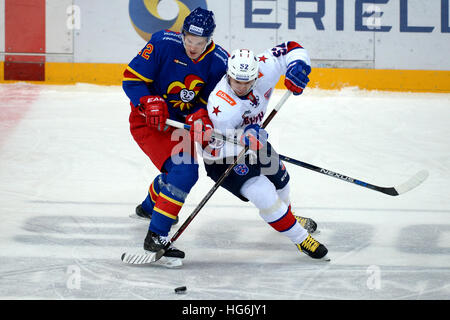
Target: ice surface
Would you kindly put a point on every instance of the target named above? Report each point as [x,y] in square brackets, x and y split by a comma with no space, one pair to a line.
[70,174]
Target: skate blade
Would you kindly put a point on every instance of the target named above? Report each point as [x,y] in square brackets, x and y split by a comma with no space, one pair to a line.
[325,258]
[319,260]
[136,217]
[169,262]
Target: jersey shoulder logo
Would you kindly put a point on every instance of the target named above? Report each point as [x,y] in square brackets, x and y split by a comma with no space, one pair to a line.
[226,97]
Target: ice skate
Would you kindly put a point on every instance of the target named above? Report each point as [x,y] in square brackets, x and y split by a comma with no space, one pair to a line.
[172,257]
[313,248]
[154,242]
[309,224]
[141,214]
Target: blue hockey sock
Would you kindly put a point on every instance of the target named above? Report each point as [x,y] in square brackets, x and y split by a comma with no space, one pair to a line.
[177,185]
[153,192]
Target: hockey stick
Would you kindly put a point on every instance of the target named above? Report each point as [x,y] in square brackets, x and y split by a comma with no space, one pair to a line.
[202,203]
[408,185]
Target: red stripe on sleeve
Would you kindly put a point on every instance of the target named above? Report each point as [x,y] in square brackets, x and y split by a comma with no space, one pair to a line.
[128,74]
[293,45]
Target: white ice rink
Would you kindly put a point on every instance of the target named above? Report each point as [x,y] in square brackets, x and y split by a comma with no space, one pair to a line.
[70,174]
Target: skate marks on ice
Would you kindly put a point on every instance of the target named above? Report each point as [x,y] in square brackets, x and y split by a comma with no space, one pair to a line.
[104,279]
[247,235]
[228,259]
[104,231]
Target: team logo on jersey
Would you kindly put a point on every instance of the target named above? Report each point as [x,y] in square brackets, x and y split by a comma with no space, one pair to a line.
[251,120]
[254,100]
[186,91]
[226,97]
[268,94]
[149,16]
[241,169]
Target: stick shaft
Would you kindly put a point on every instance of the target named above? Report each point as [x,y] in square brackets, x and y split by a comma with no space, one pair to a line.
[337,175]
[410,184]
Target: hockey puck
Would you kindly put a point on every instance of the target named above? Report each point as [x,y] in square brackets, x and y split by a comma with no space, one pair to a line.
[180,290]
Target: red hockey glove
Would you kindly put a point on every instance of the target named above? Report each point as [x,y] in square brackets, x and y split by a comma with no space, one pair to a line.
[154,109]
[201,126]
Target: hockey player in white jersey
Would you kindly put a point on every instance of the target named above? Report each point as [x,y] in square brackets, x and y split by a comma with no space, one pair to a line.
[236,108]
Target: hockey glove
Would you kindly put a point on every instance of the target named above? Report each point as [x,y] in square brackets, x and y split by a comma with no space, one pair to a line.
[254,137]
[297,76]
[201,126]
[154,109]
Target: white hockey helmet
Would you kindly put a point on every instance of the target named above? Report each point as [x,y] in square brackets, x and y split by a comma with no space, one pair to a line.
[242,65]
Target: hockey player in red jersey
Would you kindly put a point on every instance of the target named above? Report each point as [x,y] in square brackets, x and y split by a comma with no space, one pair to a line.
[171,78]
[236,107]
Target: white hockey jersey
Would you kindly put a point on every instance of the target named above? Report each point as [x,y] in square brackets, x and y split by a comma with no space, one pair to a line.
[231,114]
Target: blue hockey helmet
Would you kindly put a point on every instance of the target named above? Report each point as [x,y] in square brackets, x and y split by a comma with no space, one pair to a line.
[200,22]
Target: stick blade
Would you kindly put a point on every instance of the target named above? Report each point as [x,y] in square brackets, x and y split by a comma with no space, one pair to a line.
[413,182]
[151,259]
[138,258]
